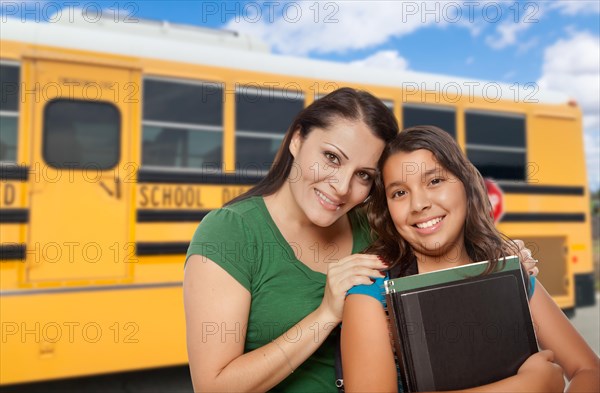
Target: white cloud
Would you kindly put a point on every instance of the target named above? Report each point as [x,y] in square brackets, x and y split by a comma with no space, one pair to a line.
[389,59]
[506,34]
[576,7]
[307,27]
[572,65]
[526,46]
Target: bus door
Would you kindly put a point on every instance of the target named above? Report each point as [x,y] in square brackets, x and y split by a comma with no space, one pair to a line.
[80,174]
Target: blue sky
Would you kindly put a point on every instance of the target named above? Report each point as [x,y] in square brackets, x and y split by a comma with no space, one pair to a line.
[552,43]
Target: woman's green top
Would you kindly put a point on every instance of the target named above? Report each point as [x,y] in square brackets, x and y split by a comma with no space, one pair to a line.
[243,239]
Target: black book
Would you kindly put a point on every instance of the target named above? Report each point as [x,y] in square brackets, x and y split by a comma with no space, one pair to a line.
[456,328]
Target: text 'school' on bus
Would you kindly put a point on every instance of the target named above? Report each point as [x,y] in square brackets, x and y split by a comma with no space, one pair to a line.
[117,141]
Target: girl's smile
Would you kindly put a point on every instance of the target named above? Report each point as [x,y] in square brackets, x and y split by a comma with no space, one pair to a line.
[428,206]
[429,225]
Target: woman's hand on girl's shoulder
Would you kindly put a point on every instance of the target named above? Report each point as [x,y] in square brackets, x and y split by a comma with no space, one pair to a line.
[527,260]
[356,269]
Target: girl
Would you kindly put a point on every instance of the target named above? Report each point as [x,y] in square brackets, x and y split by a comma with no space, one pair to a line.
[430,211]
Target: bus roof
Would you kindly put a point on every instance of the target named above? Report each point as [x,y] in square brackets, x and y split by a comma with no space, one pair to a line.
[222,48]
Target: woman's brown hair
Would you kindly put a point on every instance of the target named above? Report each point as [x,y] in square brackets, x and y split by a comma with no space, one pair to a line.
[345,103]
[482,240]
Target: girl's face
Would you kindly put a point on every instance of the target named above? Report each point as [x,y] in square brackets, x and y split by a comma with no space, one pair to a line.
[334,169]
[427,203]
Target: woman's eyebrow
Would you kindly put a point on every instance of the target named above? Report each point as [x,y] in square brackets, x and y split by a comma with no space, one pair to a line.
[338,149]
[346,157]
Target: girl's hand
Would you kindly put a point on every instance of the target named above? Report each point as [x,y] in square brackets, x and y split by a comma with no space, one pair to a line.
[540,367]
[527,260]
[341,276]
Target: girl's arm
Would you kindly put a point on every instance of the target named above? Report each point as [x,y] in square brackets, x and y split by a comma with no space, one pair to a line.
[217,309]
[367,358]
[369,365]
[555,332]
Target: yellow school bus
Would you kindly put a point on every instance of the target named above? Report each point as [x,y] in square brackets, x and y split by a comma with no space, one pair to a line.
[117,139]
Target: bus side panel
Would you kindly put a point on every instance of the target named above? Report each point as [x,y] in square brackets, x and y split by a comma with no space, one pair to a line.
[54,335]
[557,158]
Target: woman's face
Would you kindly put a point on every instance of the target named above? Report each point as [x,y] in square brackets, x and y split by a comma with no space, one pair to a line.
[334,169]
[427,203]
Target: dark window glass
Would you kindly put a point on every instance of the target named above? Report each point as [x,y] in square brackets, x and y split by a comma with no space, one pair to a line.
[498,165]
[262,118]
[9,88]
[183,124]
[266,111]
[177,102]
[495,130]
[255,154]
[81,134]
[175,147]
[8,138]
[496,145]
[419,116]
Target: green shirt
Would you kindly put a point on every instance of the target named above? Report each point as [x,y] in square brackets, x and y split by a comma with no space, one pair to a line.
[243,239]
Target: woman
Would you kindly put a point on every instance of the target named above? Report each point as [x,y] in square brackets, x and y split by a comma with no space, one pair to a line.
[430,211]
[266,275]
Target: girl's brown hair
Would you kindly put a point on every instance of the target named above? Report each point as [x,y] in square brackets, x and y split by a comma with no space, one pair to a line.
[482,240]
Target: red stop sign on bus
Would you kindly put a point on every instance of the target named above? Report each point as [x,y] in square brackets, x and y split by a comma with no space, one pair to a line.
[496,199]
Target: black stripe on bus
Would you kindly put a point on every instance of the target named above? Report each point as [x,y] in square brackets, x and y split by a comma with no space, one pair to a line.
[89,288]
[14,172]
[14,216]
[541,190]
[151,215]
[159,176]
[543,217]
[12,251]
[165,248]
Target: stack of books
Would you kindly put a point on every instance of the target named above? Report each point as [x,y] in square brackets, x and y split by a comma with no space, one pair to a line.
[456,328]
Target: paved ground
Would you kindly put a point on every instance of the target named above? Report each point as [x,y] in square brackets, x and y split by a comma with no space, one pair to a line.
[587,322]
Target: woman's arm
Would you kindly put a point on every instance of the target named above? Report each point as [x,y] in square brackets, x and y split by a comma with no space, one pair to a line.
[217,309]
[555,332]
[367,357]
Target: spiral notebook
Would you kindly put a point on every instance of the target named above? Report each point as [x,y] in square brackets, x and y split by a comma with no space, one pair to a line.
[456,329]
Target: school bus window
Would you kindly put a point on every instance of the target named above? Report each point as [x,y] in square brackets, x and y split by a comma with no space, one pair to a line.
[9,112]
[262,118]
[496,144]
[172,147]
[439,116]
[183,124]
[81,134]
[8,138]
